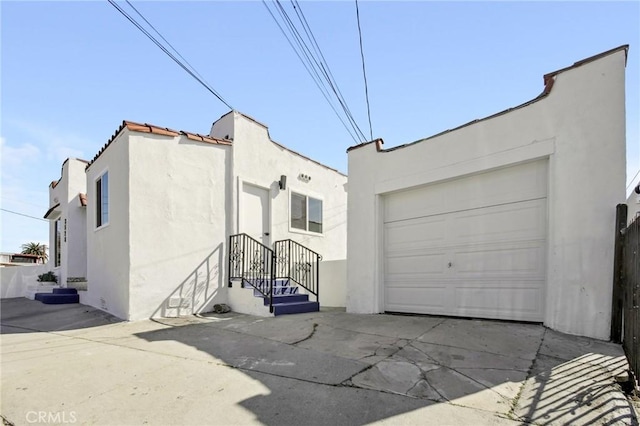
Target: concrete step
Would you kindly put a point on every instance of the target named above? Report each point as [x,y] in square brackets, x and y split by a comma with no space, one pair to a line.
[65,291]
[287,299]
[57,299]
[295,308]
[279,291]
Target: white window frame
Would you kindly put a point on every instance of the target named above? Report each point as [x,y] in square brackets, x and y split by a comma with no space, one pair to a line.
[307,195]
[98,200]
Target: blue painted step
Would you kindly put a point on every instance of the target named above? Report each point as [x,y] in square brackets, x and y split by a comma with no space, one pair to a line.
[59,296]
[287,299]
[295,308]
[65,291]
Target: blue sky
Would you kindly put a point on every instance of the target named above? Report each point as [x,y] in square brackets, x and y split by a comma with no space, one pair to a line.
[72,71]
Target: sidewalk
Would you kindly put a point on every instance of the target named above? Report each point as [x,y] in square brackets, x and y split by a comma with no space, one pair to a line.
[73,364]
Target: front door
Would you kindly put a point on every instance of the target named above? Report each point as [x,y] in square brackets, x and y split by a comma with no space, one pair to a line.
[254,213]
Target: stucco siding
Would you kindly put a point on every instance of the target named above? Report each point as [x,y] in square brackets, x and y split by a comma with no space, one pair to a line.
[177,225]
[260,161]
[579,127]
[108,264]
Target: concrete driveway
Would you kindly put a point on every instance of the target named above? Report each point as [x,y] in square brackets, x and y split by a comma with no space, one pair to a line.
[73,364]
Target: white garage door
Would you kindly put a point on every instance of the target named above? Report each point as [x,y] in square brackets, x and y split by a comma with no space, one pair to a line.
[472,247]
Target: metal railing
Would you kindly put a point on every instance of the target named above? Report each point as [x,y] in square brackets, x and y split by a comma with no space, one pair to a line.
[252,262]
[299,264]
[259,266]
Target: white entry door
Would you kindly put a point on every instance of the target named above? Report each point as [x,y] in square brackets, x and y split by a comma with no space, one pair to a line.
[474,246]
[254,213]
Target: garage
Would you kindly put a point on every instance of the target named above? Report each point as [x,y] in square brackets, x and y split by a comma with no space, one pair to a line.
[471,247]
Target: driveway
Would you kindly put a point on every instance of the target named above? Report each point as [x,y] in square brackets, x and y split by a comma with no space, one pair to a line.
[74,364]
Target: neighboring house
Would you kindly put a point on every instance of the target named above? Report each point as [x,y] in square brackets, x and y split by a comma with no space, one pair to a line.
[68,222]
[507,217]
[161,205]
[633,204]
[19,259]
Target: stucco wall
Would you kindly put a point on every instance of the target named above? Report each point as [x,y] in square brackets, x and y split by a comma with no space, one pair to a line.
[73,227]
[108,246]
[76,244]
[579,127]
[177,201]
[258,160]
[14,280]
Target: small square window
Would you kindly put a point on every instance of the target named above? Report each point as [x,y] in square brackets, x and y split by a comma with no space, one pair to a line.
[306,213]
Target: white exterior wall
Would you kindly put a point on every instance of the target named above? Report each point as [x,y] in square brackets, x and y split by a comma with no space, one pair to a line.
[259,161]
[73,261]
[108,262]
[580,128]
[76,239]
[177,200]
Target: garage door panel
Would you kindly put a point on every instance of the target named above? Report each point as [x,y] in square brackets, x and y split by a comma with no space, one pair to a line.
[421,299]
[471,247]
[499,261]
[511,184]
[511,222]
[413,234]
[416,264]
[512,300]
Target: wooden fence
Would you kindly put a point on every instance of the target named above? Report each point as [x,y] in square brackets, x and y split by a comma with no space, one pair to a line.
[625,324]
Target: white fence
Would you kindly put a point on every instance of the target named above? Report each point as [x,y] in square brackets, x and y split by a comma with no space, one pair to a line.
[16,279]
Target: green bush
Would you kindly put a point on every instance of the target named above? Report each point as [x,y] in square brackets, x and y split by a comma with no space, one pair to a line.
[48,276]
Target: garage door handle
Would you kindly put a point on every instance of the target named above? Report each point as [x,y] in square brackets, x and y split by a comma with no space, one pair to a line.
[450,265]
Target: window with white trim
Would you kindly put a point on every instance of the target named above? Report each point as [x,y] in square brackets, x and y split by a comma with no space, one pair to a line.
[102,200]
[57,244]
[306,213]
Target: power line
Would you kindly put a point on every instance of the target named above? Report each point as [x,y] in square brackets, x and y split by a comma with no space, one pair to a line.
[633,179]
[315,79]
[25,215]
[192,72]
[314,62]
[326,70]
[364,72]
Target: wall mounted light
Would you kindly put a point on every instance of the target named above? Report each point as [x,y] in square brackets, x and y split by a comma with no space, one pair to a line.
[282,183]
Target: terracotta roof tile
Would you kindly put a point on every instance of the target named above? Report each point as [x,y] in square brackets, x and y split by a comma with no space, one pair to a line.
[83,199]
[54,183]
[164,131]
[548,79]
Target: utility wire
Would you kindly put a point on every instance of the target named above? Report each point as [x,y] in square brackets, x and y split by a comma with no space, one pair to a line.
[166,41]
[364,72]
[311,74]
[324,66]
[25,215]
[313,60]
[633,179]
[192,72]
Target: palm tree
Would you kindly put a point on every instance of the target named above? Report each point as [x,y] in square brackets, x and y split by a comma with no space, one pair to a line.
[36,249]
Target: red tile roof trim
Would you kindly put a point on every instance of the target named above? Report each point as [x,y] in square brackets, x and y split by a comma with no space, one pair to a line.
[83,199]
[156,130]
[549,80]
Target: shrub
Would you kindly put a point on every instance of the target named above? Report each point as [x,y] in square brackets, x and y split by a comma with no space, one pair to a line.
[48,276]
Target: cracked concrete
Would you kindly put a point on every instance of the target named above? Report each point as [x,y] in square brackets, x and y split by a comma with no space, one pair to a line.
[319,368]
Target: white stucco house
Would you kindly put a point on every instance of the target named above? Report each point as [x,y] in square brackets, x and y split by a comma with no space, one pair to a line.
[68,223]
[481,220]
[161,205]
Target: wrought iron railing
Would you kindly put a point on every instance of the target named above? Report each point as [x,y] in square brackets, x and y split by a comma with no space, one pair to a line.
[259,266]
[252,262]
[299,264]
